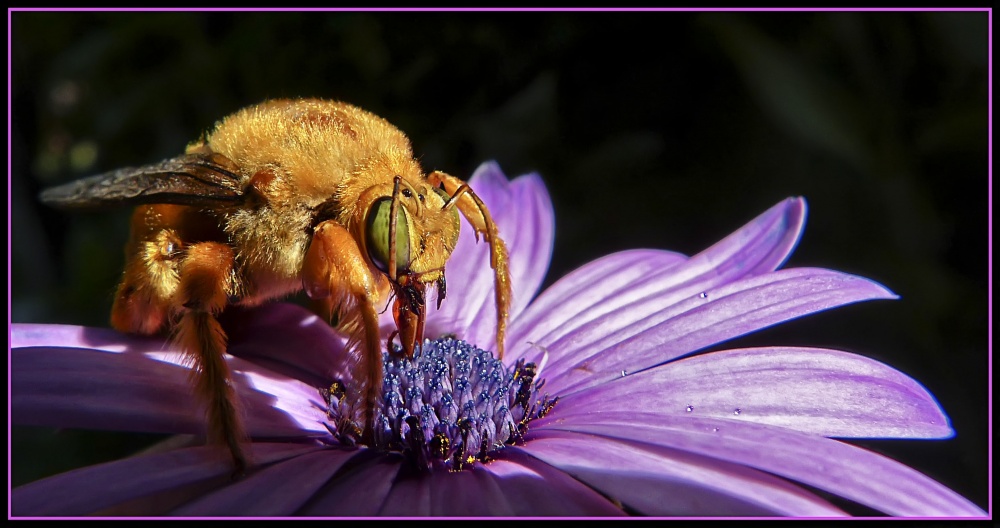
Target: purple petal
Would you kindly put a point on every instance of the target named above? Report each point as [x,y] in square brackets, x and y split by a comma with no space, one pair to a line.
[98,339]
[657,480]
[410,496]
[468,494]
[276,406]
[516,485]
[290,340]
[534,488]
[523,213]
[845,470]
[648,281]
[277,490]
[825,392]
[164,479]
[527,225]
[284,337]
[760,246]
[362,491]
[69,387]
[573,300]
[652,331]
[66,387]
[70,336]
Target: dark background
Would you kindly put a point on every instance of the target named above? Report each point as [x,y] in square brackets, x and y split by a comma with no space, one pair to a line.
[664,130]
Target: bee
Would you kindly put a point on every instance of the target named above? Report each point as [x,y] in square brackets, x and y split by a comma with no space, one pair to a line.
[281,197]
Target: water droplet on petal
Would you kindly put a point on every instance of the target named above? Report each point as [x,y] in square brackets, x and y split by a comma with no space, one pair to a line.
[690,408]
[715,429]
[624,373]
[737,412]
[703,295]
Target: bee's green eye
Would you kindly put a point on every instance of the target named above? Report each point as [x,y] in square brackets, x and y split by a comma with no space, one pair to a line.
[442,193]
[377,236]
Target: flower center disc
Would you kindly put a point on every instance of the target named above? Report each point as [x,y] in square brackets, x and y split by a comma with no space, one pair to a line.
[449,406]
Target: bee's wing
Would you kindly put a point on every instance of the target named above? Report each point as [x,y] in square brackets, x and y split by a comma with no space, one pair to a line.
[203,179]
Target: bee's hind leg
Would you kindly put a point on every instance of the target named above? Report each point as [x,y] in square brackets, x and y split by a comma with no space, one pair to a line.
[206,281]
[168,281]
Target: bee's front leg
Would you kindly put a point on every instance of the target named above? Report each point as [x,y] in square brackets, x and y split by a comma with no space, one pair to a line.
[465,198]
[206,282]
[335,268]
[476,212]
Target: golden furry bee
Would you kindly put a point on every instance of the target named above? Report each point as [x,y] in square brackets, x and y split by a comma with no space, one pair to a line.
[285,196]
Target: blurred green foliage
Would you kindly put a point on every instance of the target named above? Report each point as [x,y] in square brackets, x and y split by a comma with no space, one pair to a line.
[659,130]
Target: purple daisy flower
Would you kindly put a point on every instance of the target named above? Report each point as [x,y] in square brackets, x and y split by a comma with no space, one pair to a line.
[627,420]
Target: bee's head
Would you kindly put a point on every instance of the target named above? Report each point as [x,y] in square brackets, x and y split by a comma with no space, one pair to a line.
[410,234]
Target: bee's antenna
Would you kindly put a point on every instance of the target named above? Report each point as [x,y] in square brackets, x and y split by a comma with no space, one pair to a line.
[392,228]
[454,198]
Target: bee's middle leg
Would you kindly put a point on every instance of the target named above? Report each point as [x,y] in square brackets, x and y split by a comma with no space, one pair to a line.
[144,296]
[335,268]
